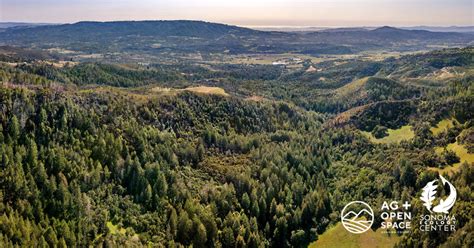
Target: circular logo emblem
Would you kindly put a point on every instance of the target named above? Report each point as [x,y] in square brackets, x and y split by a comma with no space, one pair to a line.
[357,217]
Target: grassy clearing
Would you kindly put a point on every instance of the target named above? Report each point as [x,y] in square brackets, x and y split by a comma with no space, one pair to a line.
[446,73]
[268,59]
[461,152]
[164,91]
[255,98]
[443,125]
[208,90]
[352,88]
[394,135]
[197,89]
[338,237]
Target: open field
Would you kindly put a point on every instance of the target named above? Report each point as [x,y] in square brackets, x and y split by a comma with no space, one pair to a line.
[207,90]
[197,89]
[394,135]
[268,59]
[256,98]
[338,237]
[443,125]
[352,88]
[461,152]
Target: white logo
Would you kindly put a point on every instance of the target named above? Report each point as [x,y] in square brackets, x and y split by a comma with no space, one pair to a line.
[357,217]
[428,196]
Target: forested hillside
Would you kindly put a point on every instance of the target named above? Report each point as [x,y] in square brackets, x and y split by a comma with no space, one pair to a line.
[108,154]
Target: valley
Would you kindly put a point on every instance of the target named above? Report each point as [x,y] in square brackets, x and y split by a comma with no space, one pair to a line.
[183,133]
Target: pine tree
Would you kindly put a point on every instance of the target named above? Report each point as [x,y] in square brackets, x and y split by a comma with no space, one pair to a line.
[245,201]
[200,236]
[173,222]
[14,128]
[228,239]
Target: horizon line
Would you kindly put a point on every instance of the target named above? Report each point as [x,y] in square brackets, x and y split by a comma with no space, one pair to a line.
[248,25]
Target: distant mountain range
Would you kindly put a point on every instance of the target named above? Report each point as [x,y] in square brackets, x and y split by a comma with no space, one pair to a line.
[456,29]
[4,25]
[124,28]
[157,37]
[459,29]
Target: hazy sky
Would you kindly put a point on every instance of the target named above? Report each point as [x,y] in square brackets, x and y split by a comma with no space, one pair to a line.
[248,12]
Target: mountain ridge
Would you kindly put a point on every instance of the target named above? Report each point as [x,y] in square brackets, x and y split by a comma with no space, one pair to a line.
[155,38]
[156,28]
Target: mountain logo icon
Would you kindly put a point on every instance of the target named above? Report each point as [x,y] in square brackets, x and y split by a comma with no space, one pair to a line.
[357,217]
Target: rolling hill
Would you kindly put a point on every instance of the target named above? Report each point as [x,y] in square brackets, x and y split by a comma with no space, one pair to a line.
[112,30]
[158,37]
[175,154]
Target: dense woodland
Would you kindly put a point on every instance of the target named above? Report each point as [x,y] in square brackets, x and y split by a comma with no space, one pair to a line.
[91,156]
